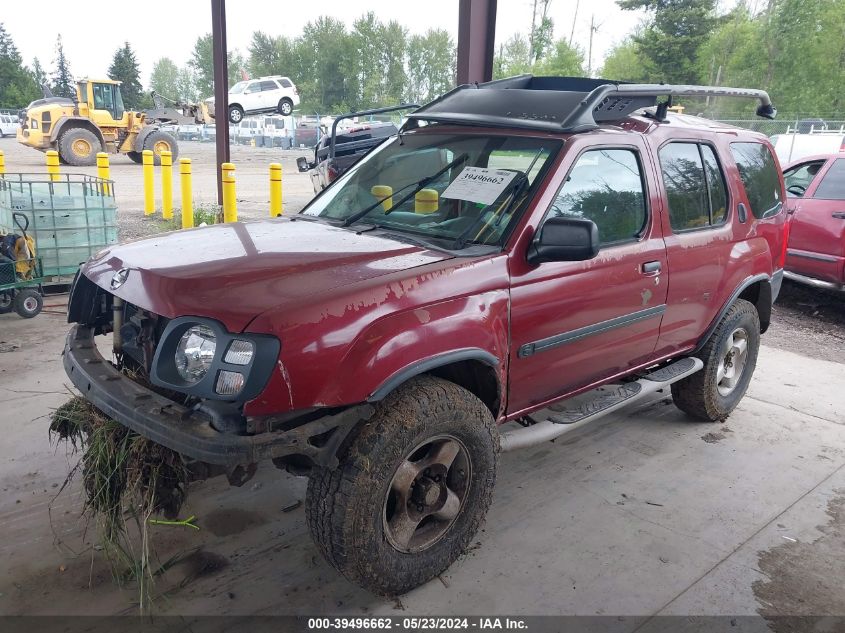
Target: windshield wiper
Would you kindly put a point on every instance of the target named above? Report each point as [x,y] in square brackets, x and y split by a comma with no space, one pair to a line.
[417,186]
[516,188]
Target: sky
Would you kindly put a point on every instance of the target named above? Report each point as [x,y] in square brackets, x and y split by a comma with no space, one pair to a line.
[170,28]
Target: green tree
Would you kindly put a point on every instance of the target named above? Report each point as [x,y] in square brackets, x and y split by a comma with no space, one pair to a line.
[17,86]
[431,65]
[186,85]
[564,60]
[513,57]
[541,35]
[624,62]
[38,73]
[270,54]
[165,78]
[327,71]
[202,64]
[63,85]
[674,35]
[124,68]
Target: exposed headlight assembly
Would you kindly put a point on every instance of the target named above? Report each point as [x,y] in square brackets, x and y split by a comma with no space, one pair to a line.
[200,357]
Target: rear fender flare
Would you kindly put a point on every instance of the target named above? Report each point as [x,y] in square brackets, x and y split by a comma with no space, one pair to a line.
[763,305]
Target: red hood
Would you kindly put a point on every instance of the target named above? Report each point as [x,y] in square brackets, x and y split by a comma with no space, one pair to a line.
[234,272]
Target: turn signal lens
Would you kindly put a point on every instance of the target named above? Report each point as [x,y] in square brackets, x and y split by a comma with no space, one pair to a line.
[240,352]
[229,383]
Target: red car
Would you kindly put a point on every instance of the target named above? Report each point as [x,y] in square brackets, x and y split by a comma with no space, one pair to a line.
[816,253]
[538,251]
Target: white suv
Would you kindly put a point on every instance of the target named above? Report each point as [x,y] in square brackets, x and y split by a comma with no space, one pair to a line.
[265,94]
[8,124]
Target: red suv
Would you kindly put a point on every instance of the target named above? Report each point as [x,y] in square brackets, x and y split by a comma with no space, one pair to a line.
[536,251]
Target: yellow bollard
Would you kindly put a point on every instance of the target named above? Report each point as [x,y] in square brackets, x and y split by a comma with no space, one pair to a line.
[53,165]
[149,194]
[385,194]
[426,201]
[230,202]
[187,194]
[167,185]
[2,163]
[103,171]
[276,208]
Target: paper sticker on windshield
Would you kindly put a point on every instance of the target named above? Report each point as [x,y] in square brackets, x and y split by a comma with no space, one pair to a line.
[479,184]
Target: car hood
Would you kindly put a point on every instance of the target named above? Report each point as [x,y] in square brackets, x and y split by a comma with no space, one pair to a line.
[234,272]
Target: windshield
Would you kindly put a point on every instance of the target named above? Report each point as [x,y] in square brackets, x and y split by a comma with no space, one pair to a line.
[468,188]
[237,88]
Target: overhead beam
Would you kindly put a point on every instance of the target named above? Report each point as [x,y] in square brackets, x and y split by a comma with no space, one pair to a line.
[476,40]
[221,88]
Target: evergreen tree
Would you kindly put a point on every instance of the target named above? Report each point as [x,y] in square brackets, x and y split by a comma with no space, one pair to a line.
[62,78]
[38,73]
[124,68]
[17,87]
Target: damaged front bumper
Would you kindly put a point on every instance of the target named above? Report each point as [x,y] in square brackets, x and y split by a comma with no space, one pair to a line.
[186,430]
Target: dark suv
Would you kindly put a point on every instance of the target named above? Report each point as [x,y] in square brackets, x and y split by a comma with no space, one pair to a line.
[534,251]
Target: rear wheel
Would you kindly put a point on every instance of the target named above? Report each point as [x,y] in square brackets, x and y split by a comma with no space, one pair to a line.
[135,157]
[285,106]
[6,302]
[28,303]
[159,142]
[79,147]
[730,357]
[236,114]
[412,488]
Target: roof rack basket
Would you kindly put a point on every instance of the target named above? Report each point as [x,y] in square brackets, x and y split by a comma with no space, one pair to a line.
[562,104]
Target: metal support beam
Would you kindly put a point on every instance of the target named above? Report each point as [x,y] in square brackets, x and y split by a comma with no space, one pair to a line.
[476,40]
[221,88]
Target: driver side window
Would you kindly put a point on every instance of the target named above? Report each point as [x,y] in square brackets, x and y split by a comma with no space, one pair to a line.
[605,186]
[798,178]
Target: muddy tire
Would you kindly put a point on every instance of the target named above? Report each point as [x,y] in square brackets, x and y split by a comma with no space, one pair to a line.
[28,303]
[79,147]
[730,356]
[412,488]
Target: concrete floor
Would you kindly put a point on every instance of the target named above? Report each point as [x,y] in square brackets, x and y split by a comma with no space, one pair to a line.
[641,513]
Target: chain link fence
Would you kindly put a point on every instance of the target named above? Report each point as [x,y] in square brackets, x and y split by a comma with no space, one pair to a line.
[793,125]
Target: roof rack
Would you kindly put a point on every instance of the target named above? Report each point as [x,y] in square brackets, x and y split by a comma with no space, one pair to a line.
[564,104]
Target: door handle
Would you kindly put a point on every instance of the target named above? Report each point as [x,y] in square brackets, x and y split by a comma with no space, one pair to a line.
[651,268]
[839,215]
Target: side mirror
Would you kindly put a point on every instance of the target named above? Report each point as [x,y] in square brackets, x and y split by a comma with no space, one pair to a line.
[302,164]
[563,239]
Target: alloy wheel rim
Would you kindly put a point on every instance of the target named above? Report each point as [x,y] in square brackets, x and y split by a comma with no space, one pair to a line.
[732,364]
[427,492]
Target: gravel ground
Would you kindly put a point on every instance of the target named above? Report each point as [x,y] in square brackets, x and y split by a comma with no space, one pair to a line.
[808,321]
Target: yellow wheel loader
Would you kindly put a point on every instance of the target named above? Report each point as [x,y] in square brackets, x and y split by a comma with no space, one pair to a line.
[96,121]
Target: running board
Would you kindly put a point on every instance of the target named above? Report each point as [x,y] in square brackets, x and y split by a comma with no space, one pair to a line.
[582,409]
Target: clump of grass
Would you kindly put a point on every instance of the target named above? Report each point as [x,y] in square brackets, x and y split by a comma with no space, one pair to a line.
[203,213]
[127,479]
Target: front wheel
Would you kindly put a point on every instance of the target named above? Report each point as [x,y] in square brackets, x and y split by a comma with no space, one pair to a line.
[79,147]
[730,356]
[28,303]
[412,488]
[236,114]
[159,142]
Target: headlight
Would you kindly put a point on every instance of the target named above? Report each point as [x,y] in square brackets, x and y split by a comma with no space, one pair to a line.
[199,357]
[195,353]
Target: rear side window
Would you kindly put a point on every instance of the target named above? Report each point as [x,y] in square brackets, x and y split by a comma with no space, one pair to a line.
[695,186]
[605,186]
[285,83]
[266,86]
[760,176]
[832,187]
